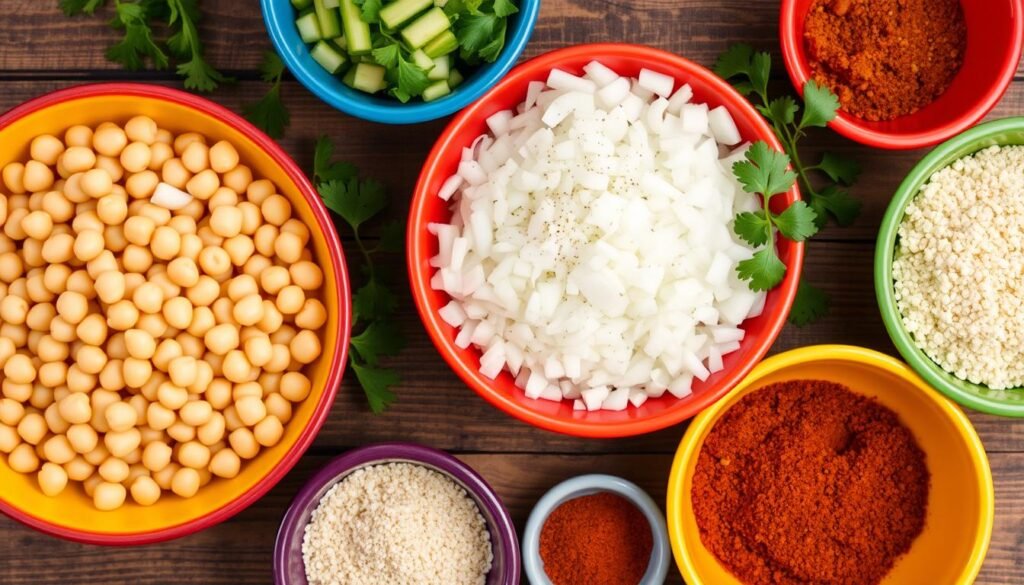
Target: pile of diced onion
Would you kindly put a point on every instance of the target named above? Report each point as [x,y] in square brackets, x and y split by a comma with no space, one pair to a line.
[590,251]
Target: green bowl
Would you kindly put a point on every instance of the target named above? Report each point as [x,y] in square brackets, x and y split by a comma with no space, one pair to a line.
[1008,131]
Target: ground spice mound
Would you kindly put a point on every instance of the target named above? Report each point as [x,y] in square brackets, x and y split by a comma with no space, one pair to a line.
[805,482]
[600,539]
[885,58]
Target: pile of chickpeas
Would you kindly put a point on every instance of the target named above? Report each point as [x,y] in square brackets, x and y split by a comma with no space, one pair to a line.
[145,349]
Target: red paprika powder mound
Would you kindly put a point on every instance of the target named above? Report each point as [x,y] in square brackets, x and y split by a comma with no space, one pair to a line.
[805,482]
[600,539]
[885,58]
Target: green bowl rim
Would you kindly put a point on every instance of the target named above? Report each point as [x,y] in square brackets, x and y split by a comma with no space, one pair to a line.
[972,140]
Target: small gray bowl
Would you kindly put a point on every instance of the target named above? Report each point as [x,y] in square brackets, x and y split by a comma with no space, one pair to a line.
[585,485]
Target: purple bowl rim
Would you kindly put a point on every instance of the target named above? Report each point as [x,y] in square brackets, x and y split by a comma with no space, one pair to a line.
[333,470]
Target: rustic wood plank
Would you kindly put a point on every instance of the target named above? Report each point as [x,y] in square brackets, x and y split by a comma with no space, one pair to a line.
[238,552]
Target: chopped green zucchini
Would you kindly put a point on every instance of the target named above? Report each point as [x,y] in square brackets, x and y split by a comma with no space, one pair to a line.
[398,13]
[340,43]
[329,57]
[330,26]
[302,4]
[440,68]
[422,61]
[436,90]
[357,32]
[309,28]
[368,77]
[442,44]
[350,77]
[426,27]
[454,79]
[331,3]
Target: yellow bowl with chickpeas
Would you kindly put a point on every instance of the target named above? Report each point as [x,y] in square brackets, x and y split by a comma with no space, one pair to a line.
[174,315]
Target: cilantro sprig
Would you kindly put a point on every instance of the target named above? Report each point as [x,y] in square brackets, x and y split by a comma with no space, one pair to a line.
[270,113]
[356,201]
[138,46]
[824,185]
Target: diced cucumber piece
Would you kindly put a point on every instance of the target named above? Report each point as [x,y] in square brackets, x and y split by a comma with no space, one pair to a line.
[398,13]
[368,77]
[340,43]
[440,69]
[436,90]
[426,27]
[422,61]
[442,44]
[309,28]
[302,4]
[357,32]
[328,57]
[454,79]
[331,3]
[330,26]
[350,77]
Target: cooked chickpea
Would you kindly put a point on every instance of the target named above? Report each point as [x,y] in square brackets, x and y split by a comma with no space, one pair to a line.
[135,158]
[96,183]
[122,315]
[52,479]
[37,176]
[183,272]
[145,491]
[14,177]
[236,366]
[46,149]
[19,369]
[14,310]
[89,244]
[32,428]
[214,261]
[91,359]
[238,178]
[268,431]
[109,140]
[142,129]
[290,300]
[166,243]
[23,459]
[121,443]
[58,450]
[196,157]
[112,166]
[226,221]
[114,470]
[288,247]
[149,298]
[185,482]
[295,386]
[175,174]
[108,496]
[83,437]
[194,454]
[244,443]
[203,185]
[37,224]
[112,211]
[121,416]
[159,153]
[183,371]
[78,159]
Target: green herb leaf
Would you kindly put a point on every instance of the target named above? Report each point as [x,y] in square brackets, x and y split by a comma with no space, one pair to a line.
[475,31]
[781,111]
[76,7]
[491,50]
[411,79]
[376,383]
[839,169]
[765,170]
[392,237]
[269,113]
[760,72]
[379,338]
[326,170]
[459,7]
[370,10]
[137,43]
[734,61]
[764,271]
[820,105]
[504,8]
[744,87]
[373,301]
[387,55]
[835,202]
[753,227]
[354,200]
[810,304]
[200,75]
[271,68]
[185,44]
[797,222]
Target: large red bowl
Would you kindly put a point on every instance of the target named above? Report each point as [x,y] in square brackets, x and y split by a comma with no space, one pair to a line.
[71,514]
[427,207]
[995,29]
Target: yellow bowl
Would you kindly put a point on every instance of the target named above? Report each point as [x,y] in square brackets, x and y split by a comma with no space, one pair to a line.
[71,514]
[958,525]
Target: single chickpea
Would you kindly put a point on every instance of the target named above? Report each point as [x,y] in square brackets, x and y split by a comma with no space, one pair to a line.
[244,443]
[141,185]
[196,157]
[8,438]
[83,437]
[46,149]
[203,185]
[226,221]
[57,206]
[182,371]
[72,306]
[268,431]
[112,166]
[181,432]
[96,456]
[112,375]
[78,159]
[178,312]
[13,227]
[19,369]
[259,191]
[52,479]
[37,177]
[136,372]
[145,491]
[166,243]
[78,469]
[86,218]
[122,315]
[121,443]
[295,386]
[80,282]
[113,235]
[171,396]
[288,247]
[109,140]
[290,300]
[279,407]
[250,409]
[204,292]
[135,158]
[14,310]
[238,178]
[88,245]
[112,210]
[108,496]
[236,366]
[175,174]
[156,456]
[223,157]
[212,430]
[191,246]
[110,287]
[14,177]
[214,261]
[114,470]
[11,412]
[23,459]
[78,135]
[149,298]
[11,267]
[159,417]
[183,272]
[57,249]
[264,239]
[91,359]
[92,329]
[121,416]
[39,317]
[32,428]
[185,482]
[142,129]
[37,224]
[194,454]
[96,183]
[58,450]
[249,310]
[221,339]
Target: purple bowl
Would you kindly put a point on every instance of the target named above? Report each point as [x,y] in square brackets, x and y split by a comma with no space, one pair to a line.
[288,565]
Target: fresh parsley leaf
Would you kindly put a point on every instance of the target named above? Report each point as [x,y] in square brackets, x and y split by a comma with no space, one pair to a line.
[269,113]
[839,169]
[781,111]
[760,72]
[185,44]
[370,10]
[491,50]
[765,170]
[753,227]
[379,338]
[741,60]
[392,237]
[411,79]
[354,200]
[820,105]
[75,7]
[376,383]
[271,68]
[810,304]
[373,301]
[137,43]
[764,271]
[475,31]
[324,169]
[835,202]
[388,55]
[399,94]
[744,87]
[734,61]
[504,8]
[797,222]
[200,75]
[459,7]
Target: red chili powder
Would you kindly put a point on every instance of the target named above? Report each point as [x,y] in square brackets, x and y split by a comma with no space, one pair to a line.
[600,539]
[806,482]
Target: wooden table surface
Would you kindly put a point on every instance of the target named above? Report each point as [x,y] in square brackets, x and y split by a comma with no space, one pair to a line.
[41,50]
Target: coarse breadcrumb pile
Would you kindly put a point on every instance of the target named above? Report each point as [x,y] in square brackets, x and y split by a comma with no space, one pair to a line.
[399,524]
[959,268]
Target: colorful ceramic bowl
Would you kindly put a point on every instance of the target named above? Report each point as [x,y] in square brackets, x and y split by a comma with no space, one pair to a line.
[289,568]
[279,16]
[427,207]
[1008,131]
[995,31]
[585,485]
[958,526]
[71,515]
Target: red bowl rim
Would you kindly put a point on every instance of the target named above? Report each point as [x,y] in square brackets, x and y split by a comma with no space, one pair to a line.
[337,259]
[855,129]
[420,279]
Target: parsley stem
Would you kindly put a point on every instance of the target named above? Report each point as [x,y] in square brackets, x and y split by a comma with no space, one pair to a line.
[789,143]
[366,253]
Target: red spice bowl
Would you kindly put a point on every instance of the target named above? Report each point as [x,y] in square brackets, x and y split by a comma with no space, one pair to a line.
[427,207]
[71,514]
[995,36]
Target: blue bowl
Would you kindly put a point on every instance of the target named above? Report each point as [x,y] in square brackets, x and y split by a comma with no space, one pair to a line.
[279,16]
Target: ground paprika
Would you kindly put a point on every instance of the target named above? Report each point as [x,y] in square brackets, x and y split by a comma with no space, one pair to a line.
[805,482]
[600,539]
[885,58]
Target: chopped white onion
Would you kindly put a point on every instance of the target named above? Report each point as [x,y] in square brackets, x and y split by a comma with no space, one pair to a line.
[170,197]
